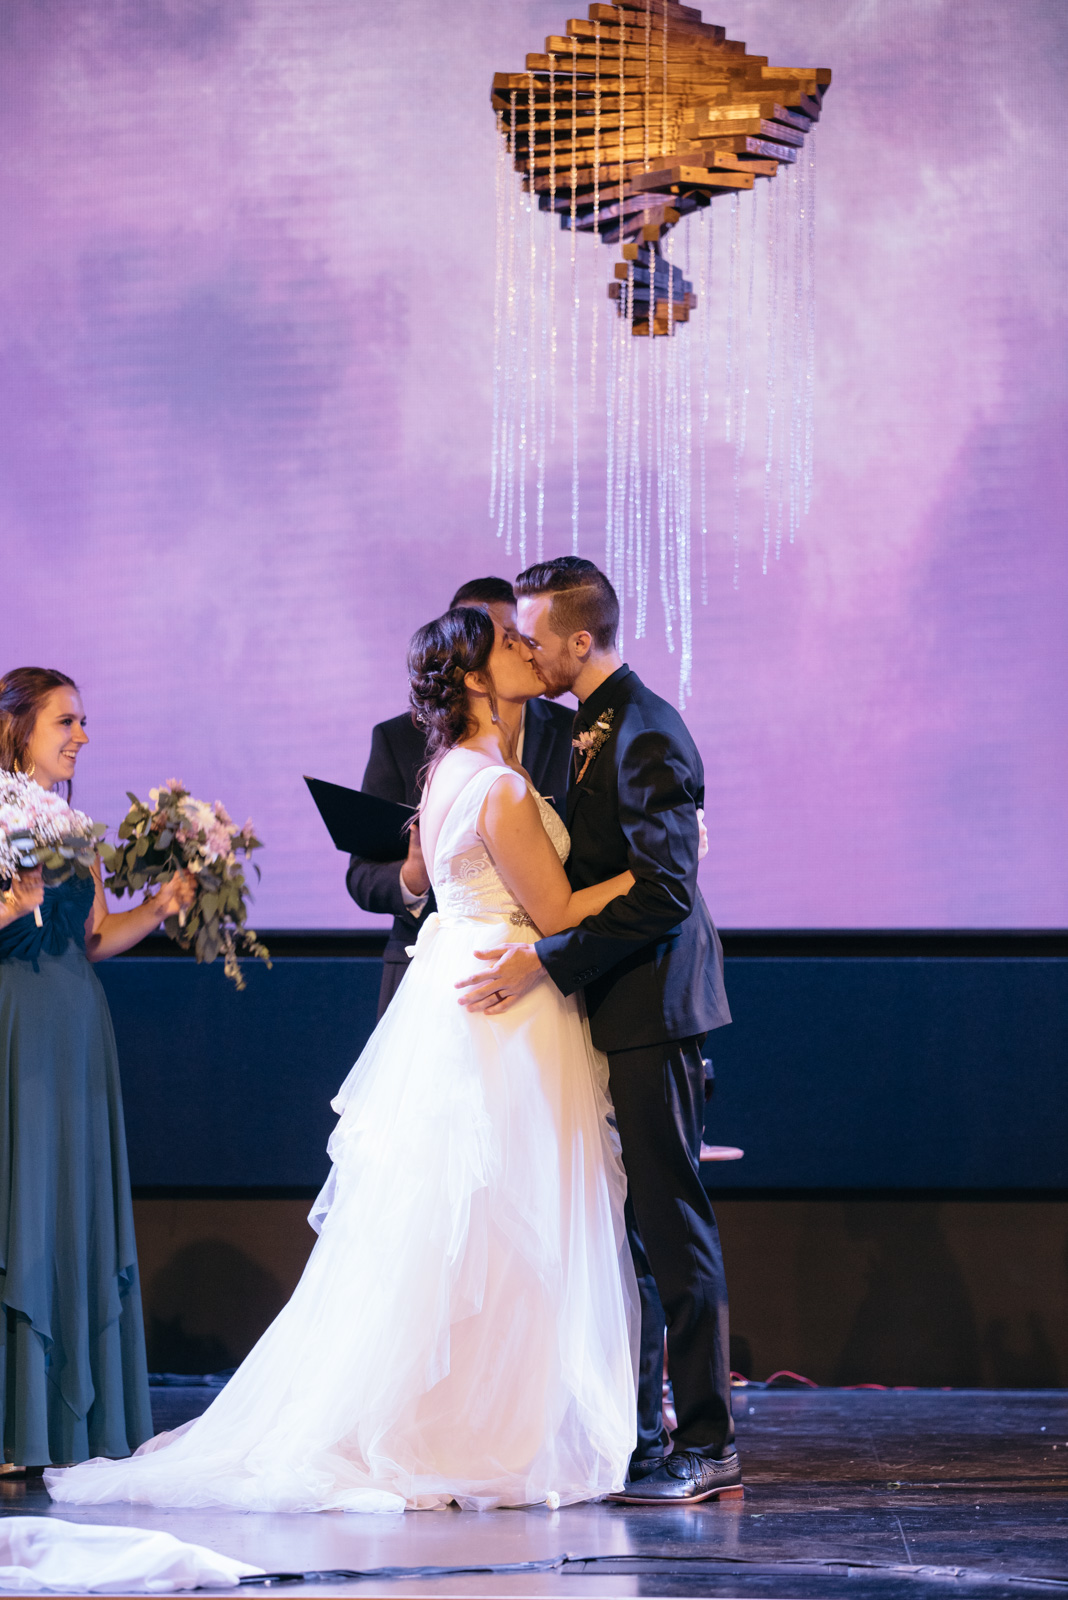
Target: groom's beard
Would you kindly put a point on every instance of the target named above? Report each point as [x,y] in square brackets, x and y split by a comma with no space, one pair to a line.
[554,683]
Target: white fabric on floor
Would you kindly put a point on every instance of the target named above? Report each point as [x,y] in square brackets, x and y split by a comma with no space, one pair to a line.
[41,1553]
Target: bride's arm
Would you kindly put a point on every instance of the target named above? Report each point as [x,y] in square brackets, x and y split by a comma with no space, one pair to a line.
[524,856]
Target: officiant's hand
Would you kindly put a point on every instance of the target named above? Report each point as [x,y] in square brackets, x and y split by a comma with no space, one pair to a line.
[702,834]
[516,969]
[414,875]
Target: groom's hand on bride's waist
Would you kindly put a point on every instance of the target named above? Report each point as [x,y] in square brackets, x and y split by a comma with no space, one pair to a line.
[515,969]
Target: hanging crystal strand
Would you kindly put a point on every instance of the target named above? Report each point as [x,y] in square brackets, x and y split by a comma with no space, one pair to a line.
[671,406]
[771,359]
[500,246]
[743,406]
[553,230]
[615,554]
[732,318]
[574,309]
[611,385]
[596,131]
[797,358]
[705,311]
[657,356]
[636,536]
[529,375]
[650,461]
[784,233]
[546,317]
[595,302]
[664,90]
[507,504]
[684,526]
[809,158]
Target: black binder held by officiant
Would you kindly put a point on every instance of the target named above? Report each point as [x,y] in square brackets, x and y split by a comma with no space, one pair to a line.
[362,824]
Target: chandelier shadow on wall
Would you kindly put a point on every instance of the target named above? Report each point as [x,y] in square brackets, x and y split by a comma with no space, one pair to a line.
[628,126]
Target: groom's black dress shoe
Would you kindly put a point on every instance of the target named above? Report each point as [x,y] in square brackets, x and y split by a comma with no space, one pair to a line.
[683,1479]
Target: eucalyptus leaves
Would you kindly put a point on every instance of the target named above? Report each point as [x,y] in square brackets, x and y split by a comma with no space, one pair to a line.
[178,833]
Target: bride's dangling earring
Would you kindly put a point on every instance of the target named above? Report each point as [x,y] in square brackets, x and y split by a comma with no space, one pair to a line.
[27,772]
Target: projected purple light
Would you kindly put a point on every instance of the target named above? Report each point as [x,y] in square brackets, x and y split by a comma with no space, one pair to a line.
[245,390]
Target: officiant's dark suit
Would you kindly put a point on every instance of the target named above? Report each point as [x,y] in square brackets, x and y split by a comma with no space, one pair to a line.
[398,754]
[651,967]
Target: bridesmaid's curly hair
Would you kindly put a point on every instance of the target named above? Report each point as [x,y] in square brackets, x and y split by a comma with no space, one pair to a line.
[23,692]
[440,656]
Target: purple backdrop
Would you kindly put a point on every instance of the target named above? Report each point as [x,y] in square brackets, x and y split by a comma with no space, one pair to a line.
[245,364]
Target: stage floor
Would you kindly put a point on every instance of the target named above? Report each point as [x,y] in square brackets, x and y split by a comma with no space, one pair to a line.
[848,1493]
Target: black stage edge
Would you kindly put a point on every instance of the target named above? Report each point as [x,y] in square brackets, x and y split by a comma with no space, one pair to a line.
[848,1493]
[752,943]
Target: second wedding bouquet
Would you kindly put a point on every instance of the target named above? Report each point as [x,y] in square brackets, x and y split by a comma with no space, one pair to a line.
[176,832]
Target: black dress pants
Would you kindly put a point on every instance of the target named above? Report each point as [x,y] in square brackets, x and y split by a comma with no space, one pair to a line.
[659,1096]
[392,976]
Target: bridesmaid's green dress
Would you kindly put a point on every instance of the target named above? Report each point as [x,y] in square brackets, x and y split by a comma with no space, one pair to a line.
[73,1377]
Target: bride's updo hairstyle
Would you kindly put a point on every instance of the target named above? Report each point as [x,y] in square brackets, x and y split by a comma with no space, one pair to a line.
[440,656]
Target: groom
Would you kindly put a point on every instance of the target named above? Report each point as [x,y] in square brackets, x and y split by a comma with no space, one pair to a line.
[651,966]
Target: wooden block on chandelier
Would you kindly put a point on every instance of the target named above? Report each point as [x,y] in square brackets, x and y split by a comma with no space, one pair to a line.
[657,7]
[577,28]
[614,290]
[726,179]
[746,145]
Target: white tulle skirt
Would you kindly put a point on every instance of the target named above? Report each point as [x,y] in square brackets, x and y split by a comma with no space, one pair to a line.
[466,1326]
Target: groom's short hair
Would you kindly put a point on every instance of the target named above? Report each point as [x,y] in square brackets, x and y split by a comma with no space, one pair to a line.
[583,600]
[484,592]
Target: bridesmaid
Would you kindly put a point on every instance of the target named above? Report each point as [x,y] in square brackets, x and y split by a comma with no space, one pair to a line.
[73,1378]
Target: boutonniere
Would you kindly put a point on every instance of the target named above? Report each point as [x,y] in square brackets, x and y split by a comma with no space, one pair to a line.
[589,742]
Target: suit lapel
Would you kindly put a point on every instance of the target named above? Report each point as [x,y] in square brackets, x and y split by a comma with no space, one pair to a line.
[534,743]
[618,694]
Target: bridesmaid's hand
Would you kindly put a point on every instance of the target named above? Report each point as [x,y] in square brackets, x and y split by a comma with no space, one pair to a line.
[24,896]
[176,895]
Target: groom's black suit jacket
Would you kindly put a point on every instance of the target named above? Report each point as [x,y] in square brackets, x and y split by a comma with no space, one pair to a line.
[398,753]
[651,963]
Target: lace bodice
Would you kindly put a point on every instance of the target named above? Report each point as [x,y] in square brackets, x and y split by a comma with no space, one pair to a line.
[466,882]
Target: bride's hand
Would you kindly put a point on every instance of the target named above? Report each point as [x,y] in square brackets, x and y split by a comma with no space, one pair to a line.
[414,875]
[702,834]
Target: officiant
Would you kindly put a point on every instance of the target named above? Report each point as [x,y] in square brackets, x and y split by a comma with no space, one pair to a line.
[398,754]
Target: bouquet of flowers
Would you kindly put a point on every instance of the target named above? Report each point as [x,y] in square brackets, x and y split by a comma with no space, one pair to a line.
[177,833]
[39,829]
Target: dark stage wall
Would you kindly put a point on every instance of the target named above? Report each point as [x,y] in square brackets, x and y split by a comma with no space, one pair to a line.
[897,1291]
[900,1216]
[930,1062]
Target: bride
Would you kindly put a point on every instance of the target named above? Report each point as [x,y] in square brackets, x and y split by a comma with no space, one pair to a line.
[466,1328]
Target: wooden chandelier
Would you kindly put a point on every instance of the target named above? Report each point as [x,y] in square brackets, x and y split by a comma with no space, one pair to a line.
[640,115]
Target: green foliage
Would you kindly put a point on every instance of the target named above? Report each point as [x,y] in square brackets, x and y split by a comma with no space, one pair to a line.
[157,842]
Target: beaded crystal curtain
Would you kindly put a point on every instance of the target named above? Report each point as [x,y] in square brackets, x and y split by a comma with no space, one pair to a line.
[627,129]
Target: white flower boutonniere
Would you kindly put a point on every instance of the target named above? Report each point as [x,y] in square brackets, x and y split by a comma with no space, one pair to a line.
[589,742]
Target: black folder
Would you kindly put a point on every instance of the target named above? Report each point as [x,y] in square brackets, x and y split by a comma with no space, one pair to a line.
[362,824]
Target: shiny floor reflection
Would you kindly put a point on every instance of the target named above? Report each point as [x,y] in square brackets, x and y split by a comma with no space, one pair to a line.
[851,1493]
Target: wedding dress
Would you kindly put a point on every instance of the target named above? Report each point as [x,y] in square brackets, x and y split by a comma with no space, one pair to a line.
[466,1326]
